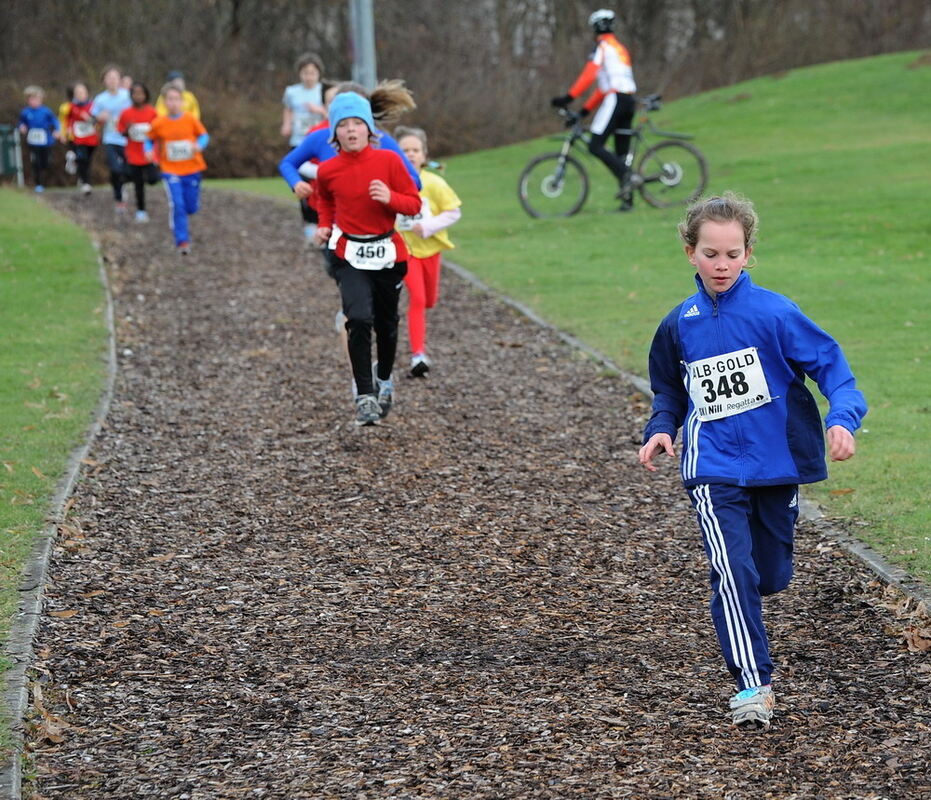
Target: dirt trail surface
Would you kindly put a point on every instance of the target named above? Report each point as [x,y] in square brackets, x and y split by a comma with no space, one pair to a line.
[484,597]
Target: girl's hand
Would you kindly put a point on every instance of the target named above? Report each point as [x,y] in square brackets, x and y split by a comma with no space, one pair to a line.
[286,131]
[313,108]
[841,444]
[322,236]
[657,442]
[378,190]
[418,229]
[103,116]
[303,189]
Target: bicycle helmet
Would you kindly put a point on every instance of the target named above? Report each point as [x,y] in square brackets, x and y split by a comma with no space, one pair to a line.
[602,20]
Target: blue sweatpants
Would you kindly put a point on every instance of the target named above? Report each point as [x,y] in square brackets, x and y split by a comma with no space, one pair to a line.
[183,199]
[748,535]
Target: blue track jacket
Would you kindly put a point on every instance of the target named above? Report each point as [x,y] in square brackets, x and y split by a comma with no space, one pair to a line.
[772,443]
[317,145]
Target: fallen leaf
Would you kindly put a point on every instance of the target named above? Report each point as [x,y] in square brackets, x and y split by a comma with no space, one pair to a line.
[63,614]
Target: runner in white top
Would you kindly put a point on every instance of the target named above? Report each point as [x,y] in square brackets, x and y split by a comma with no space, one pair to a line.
[610,65]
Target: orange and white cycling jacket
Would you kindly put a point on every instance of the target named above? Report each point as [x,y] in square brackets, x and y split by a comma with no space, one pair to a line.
[610,64]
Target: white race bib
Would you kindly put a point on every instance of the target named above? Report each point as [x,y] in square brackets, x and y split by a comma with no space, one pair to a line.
[729,384]
[179,150]
[406,223]
[82,129]
[372,255]
[139,131]
[37,137]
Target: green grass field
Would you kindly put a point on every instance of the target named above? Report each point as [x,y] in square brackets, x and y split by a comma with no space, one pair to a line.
[837,159]
[52,365]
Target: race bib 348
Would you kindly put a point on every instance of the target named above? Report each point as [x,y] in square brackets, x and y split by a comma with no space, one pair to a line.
[729,384]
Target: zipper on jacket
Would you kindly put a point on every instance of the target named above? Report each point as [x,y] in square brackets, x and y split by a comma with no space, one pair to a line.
[735,421]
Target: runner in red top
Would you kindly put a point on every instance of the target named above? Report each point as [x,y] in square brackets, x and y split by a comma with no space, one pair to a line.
[134,123]
[359,194]
[82,129]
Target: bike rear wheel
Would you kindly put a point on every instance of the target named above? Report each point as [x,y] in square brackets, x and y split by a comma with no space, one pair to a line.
[672,174]
[552,185]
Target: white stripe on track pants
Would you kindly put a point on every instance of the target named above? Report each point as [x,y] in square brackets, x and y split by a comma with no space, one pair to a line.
[748,534]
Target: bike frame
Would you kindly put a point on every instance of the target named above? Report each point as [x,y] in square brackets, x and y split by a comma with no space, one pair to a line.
[579,134]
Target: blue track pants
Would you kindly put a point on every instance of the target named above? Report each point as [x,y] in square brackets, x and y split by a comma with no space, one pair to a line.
[183,199]
[748,534]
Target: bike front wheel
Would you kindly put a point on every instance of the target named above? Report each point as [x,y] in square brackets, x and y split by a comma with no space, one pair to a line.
[552,185]
[672,174]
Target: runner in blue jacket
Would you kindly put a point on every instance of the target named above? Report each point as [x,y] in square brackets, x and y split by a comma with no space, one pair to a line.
[728,366]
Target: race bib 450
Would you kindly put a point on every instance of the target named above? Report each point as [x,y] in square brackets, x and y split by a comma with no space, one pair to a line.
[729,384]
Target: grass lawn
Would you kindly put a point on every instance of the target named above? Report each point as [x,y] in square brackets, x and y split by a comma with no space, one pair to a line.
[52,363]
[837,159]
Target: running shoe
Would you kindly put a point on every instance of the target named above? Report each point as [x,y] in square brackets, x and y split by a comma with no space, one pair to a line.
[120,208]
[71,166]
[85,188]
[385,395]
[368,412]
[752,709]
[39,189]
[420,366]
[339,322]
[184,248]
[142,216]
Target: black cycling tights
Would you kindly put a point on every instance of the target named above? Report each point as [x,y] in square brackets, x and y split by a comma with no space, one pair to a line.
[622,116]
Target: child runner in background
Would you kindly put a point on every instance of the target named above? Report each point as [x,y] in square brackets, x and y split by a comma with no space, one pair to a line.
[38,123]
[82,131]
[181,140]
[106,108]
[303,102]
[361,191]
[64,109]
[189,102]
[388,101]
[308,171]
[426,238]
[728,365]
[135,123]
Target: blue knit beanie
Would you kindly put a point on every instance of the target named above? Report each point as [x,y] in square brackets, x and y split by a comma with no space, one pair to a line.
[349,104]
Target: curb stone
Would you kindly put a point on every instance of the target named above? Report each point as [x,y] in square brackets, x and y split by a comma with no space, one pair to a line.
[19,644]
[890,574]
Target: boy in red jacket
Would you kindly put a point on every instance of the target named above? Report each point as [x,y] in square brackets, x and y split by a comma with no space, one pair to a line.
[135,123]
[82,130]
[359,193]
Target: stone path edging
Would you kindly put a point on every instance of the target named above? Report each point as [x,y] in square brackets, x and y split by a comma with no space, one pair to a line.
[18,646]
[909,585]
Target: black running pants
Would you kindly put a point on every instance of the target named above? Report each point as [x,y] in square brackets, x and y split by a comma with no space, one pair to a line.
[370,302]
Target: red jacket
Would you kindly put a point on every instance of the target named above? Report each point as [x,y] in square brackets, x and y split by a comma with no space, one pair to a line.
[81,115]
[343,195]
[134,124]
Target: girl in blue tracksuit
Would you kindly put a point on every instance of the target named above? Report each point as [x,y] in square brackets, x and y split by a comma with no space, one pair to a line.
[728,366]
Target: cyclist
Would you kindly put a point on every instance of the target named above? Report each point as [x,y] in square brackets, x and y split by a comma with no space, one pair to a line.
[610,64]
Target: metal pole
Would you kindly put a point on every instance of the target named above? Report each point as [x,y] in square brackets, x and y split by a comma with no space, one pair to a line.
[362,21]
[20,178]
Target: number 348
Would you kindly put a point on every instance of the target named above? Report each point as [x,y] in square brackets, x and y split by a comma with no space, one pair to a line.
[728,386]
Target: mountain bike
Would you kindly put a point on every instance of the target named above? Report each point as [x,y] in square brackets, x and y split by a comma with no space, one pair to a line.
[670,172]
